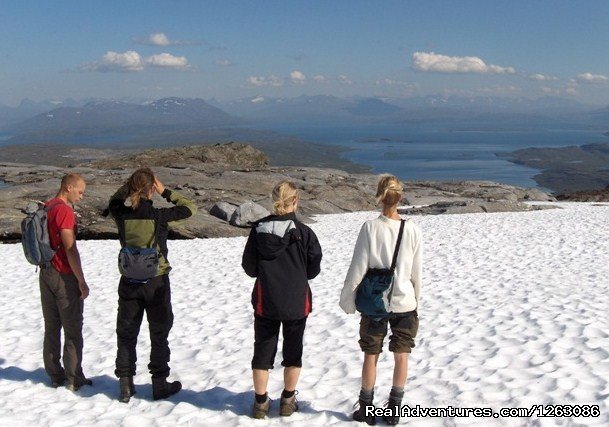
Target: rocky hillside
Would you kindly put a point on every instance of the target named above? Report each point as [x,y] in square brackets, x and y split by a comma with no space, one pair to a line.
[234,174]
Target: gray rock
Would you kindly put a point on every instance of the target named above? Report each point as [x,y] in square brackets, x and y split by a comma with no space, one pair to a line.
[472,206]
[222,156]
[227,174]
[247,213]
[223,210]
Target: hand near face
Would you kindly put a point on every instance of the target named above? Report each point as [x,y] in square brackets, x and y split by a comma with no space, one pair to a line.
[158,186]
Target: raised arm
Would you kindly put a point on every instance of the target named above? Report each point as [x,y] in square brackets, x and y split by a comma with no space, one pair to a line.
[184,207]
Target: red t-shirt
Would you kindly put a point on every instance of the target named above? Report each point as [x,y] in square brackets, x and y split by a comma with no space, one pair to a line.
[60,216]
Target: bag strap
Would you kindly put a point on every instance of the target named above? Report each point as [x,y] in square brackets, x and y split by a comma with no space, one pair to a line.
[156,233]
[47,209]
[155,240]
[397,246]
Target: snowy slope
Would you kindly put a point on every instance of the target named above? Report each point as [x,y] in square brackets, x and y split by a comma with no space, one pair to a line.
[513,313]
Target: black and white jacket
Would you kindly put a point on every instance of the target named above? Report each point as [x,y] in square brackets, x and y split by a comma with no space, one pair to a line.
[282,254]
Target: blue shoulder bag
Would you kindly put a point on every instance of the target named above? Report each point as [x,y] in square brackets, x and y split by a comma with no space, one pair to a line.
[373,294]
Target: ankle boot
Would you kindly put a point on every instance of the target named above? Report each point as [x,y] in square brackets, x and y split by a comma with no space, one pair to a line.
[394,403]
[127,389]
[360,414]
[162,389]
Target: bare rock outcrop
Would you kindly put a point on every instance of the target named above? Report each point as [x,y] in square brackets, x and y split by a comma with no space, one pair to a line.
[232,174]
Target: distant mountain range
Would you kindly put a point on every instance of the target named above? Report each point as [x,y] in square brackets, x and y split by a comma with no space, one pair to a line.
[127,119]
[471,113]
[121,118]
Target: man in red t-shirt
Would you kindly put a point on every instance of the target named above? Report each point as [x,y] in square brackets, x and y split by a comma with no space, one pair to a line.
[63,289]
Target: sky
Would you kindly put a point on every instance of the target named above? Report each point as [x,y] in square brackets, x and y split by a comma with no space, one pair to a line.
[235,49]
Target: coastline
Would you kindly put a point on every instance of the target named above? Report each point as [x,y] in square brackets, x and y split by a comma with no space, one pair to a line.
[568,169]
[422,154]
[435,153]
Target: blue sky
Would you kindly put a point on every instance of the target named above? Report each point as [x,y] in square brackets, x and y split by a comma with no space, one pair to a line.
[233,49]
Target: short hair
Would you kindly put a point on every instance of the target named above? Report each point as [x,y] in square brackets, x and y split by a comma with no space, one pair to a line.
[389,190]
[284,194]
[70,179]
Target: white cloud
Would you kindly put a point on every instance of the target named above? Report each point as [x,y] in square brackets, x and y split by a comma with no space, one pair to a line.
[114,61]
[259,81]
[542,77]
[158,39]
[550,90]
[572,88]
[320,79]
[166,60]
[161,39]
[573,91]
[390,82]
[133,61]
[344,79]
[298,77]
[483,91]
[499,90]
[433,62]
[224,62]
[592,78]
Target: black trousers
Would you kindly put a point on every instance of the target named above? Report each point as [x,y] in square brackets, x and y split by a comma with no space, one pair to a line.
[153,297]
[266,337]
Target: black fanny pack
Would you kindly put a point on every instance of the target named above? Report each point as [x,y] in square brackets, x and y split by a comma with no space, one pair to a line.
[138,263]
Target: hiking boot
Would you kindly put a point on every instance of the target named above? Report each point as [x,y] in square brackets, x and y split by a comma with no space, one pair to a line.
[261,410]
[360,414]
[394,404]
[162,389]
[127,389]
[288,405]
[78,385]
[58,383]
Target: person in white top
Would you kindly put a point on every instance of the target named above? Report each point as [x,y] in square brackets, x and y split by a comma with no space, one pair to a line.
[374,249]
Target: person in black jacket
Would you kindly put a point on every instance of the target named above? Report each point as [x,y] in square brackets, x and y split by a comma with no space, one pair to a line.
[140,225]
[282,254]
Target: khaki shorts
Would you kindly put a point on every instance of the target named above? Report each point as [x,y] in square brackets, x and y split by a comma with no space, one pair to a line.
[404,327]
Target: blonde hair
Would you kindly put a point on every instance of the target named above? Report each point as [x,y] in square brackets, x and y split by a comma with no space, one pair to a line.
[389,191]
[285,194]
[140,183]
[70,179]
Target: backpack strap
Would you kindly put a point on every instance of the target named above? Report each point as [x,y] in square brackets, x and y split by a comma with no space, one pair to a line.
[155,241]
[397,246]
[47,209]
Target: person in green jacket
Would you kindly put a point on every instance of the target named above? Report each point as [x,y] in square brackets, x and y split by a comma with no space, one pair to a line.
[141,225]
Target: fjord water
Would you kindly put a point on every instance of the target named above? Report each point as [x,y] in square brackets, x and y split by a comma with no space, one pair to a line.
[433,153]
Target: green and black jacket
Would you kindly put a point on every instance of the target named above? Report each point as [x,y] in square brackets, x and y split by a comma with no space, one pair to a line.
[136,226]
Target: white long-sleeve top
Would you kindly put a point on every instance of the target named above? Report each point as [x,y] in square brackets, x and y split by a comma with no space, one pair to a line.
[374,249]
